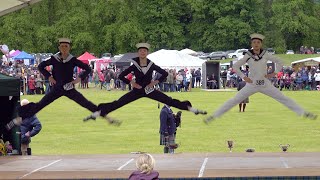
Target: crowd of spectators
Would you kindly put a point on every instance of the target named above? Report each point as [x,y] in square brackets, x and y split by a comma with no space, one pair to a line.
[303,78]
[33,82]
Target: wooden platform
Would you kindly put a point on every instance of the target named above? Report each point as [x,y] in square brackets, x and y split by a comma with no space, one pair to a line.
[182,165]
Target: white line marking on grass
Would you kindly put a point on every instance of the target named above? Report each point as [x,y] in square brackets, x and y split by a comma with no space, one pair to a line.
[125,164]
[39,169]
[284,163]
[203,167]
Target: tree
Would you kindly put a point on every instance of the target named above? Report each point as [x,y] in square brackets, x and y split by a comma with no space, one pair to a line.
[296,21]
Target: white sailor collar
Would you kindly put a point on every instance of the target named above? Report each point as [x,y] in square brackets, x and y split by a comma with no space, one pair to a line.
[58,57]
[145,69]
[256,57]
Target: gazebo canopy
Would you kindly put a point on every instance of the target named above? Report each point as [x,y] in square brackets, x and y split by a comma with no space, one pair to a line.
[9,86]
[85,57]
[23,55]
[308,61]
[8,6]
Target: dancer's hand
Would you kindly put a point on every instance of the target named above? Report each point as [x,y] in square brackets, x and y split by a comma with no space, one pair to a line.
[248,80]
[77,80]
[135,85]
[27,134]
[270,75]
[153,83]
[52,80]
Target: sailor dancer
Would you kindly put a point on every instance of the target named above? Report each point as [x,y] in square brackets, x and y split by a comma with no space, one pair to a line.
[257,81]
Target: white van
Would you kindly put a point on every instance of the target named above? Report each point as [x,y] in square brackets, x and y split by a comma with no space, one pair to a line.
[237,53]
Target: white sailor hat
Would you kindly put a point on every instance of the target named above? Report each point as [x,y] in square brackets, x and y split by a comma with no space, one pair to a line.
[257,36]
[64,40]
[24,102]
[143,45]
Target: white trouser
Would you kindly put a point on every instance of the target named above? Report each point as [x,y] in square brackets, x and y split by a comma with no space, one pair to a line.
[268,90]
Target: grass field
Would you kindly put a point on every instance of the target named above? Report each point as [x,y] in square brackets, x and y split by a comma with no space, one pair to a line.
[286,58]
[264,126]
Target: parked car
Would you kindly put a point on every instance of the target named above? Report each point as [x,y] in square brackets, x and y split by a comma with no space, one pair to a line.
[237,53]
[217,55]
[203,55]
[290,52]
[271,51]
[230,51]
[317,51]
[106,56]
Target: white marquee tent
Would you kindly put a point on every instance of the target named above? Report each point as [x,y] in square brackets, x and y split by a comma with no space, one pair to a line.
[175,59]
[188,51]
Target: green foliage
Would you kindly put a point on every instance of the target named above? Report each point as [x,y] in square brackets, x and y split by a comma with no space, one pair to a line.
[116,26]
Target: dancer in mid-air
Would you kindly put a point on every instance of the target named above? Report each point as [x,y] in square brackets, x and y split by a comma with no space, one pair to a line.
[257,81]
[143,86]
[63,64]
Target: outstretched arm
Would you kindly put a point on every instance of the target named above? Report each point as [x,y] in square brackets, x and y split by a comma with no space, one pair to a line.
[42,67]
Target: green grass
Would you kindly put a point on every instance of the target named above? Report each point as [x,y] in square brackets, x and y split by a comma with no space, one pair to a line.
[264,126]
[286,58]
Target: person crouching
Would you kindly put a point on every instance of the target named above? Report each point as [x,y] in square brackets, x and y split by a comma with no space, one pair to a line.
[29,128]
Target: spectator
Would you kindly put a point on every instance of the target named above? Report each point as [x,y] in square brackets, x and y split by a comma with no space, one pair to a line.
[29,128]
[39,85]
[108,80]
[179,80]
[145,165]
[168,127]
[171,80]
[317,77]
[243,104]
[31,85]
[96,78]
[198,77]
[130,78]
[187,86]
[224,78]
[212,82]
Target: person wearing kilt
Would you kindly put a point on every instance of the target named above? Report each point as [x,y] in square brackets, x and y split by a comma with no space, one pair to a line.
[243,104]
[167,129]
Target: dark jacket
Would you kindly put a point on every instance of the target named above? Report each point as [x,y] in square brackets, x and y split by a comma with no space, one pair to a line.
[137,175]
[62,70]
[141,78]
[167,121]
[32,125]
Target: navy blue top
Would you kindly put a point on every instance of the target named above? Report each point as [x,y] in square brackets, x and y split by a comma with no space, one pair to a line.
[62,70]
[167,121]
[141,78]
[32,125]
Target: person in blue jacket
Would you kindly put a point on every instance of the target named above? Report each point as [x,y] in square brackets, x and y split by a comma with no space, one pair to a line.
[29,128]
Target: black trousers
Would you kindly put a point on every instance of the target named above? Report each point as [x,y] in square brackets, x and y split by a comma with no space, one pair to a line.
[139,93]
[56,92]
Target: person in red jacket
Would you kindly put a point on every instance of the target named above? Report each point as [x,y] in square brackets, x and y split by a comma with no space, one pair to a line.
[130,77]
[32,84]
